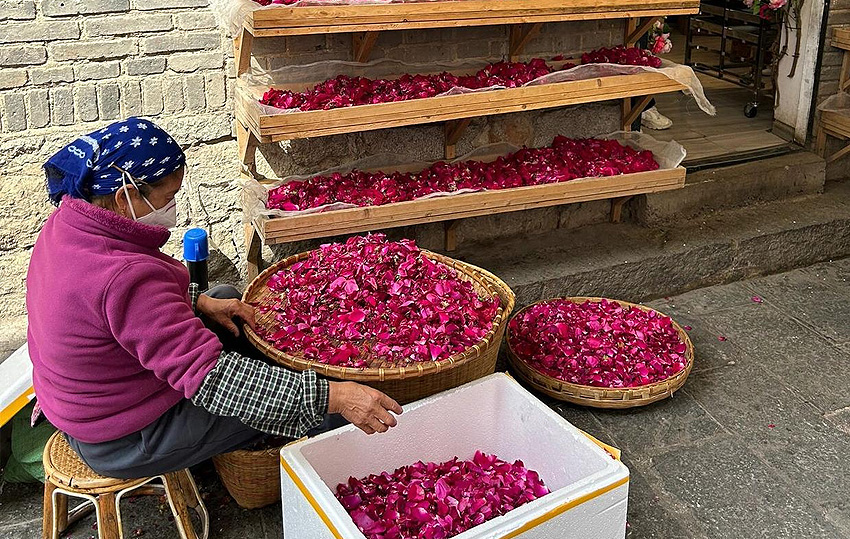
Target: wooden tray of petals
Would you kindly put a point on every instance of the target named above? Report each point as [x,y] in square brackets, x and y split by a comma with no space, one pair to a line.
[603,397]
[403,383]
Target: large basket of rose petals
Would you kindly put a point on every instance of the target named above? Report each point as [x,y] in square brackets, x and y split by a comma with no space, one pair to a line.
[406,321]
[599,352]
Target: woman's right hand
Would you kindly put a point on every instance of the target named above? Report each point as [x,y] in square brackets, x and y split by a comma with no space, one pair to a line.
[366,408]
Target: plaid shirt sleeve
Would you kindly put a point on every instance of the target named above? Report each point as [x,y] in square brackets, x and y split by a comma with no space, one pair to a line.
[194,293]
[271,399]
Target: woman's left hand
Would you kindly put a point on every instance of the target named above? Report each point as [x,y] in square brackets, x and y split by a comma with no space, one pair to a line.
[223,311]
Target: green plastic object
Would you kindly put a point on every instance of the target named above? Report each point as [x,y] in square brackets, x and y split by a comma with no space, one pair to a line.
[28,443]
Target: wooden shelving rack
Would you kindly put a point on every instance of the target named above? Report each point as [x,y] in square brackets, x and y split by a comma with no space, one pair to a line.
[832,123]
[365,22]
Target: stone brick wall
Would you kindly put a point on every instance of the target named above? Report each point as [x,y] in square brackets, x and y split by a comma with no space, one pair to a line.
[68,67]
[839,15]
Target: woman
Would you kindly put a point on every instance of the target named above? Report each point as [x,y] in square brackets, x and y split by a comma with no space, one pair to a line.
[121,362]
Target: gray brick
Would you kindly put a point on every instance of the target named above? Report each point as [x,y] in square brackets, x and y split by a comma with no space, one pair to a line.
[195,98]
[214,85]
[85,101]
[131,99]
[108,101]
[152,97]
[196,21]
[173,95]
[128,24]
[12,78]
[17,10]
[93,50]
[16,112]
[187,63]
[97,70]
[38,103]
[175,42]
[39,31]
[144,66]
[52,75]
[169,4]
[62,106]
[22,55]
[64,8]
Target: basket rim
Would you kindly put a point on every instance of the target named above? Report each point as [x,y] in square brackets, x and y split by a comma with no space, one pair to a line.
[684,373]
[493,337]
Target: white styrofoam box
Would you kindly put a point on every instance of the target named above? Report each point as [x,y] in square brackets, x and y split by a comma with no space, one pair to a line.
[15,384]
[493,414]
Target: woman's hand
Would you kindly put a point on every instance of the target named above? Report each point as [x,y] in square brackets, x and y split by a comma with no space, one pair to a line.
[223,311]
[366,408]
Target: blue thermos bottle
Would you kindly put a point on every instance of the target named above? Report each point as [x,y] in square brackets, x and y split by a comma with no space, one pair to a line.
[196,251]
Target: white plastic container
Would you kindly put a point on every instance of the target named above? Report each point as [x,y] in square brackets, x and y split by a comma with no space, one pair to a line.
[493,414]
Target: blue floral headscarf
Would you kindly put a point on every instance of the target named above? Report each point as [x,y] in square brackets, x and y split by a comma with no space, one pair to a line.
[92,165]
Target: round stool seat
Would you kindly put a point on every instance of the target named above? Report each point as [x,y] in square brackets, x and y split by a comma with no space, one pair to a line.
[63,467]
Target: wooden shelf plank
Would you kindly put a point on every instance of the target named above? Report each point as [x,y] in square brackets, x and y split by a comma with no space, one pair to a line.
[296,125]
[841,38]
[354,220]
[300,20]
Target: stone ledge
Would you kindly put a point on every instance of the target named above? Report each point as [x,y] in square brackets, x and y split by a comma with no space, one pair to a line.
[635,263]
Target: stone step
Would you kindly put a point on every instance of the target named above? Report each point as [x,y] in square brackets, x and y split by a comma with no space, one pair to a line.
[633,262]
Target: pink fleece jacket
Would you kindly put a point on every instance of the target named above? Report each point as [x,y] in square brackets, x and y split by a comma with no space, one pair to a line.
[112,336]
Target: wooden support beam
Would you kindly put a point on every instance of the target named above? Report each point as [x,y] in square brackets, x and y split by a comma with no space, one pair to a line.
[253,255]
[820,141]
[631,26]
[521,34]
[362,44]
[242,46]
[844,79]
[639,30]
[451,234]
[454,130]
[247,144]
[635,112]
[617,208]
[839,154]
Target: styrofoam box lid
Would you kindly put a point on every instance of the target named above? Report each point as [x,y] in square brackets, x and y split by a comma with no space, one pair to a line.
[493,414]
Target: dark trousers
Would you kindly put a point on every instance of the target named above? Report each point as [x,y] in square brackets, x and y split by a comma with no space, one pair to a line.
[184,436]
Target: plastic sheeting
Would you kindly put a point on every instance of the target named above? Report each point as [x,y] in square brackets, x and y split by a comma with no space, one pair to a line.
[255,195]
[304,77]
[231,14]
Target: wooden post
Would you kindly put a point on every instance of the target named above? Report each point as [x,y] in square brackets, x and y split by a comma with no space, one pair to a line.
[454,130]
[362,44]
[253,255]
[820,141]
[617,208]
[839,154]
[521,34]
[179,493]
[242,46]
[638,31]
[451,235]
[247,144]
[844,80]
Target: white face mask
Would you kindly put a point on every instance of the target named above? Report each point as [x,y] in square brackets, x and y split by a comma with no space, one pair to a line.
[165,216]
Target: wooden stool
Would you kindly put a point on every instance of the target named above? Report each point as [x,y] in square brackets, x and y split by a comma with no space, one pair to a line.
[66,475]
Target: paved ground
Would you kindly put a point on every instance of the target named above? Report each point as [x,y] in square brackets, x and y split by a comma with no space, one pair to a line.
[755,445]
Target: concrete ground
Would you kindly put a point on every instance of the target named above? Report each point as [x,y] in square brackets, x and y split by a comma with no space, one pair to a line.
[755,445]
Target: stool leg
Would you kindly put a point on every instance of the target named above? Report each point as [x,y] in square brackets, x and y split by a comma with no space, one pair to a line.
[107,517]
[197,503]
[177,493]
[48,529]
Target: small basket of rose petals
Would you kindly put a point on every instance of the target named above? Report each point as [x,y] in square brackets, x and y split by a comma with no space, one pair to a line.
[599,352]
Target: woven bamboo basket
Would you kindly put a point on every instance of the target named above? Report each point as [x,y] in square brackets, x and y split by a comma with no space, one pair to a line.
[251,477]
[601,397]
[412,382]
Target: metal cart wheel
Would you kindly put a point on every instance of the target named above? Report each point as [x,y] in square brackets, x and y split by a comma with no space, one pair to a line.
[751,110]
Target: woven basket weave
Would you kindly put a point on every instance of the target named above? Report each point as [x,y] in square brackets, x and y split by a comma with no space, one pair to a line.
[412,382]
[601,397]
[251,477]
